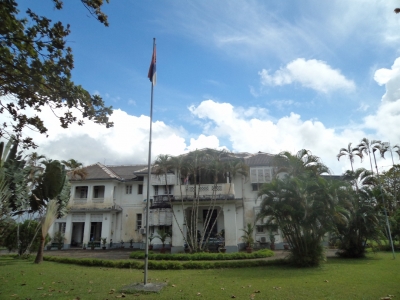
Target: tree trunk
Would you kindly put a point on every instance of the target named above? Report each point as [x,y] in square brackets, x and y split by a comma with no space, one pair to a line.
[39,256]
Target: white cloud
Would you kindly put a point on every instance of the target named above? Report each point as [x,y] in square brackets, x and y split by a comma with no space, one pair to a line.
[314,74]
[391,78]
[249,129]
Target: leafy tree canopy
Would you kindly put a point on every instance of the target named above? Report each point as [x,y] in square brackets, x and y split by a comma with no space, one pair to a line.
[35,72]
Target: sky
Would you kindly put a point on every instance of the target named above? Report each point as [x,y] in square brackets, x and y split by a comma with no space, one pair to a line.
[245,76]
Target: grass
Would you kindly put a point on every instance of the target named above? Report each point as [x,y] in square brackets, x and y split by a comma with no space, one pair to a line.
[371,278]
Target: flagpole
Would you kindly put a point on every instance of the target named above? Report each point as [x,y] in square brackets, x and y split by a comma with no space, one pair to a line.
[146,256]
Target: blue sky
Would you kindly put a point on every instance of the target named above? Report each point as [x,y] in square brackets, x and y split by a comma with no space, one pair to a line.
[243,75]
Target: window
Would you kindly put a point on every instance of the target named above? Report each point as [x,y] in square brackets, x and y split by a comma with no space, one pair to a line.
[61,227]
[140,189]
[128,189]
[260,229]
[168,190]
[81,192]
[260,174]
[156,190]
[254,187]
[98,191]
[138,221]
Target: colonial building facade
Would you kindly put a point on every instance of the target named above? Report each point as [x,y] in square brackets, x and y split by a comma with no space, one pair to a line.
[111,203]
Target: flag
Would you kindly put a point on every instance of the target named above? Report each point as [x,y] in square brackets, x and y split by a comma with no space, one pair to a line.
[152,70]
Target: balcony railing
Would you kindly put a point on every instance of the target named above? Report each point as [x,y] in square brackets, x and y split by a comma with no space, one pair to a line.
[162,200]
[98,200]
[80,201]
[205,191]
[160,179]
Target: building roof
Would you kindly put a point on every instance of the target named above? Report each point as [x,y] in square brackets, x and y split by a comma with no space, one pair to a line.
[259,159]
[99,171]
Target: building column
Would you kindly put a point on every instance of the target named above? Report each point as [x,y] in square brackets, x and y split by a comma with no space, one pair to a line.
[106,227]
[89,194]
[177,238]
[86,232]
[68,231]
[231,240]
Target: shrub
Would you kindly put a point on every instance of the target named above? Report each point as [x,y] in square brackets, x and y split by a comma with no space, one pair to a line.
[165,265]
[204,256]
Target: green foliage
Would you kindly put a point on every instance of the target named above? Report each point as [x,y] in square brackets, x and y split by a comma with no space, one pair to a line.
[52,185]
[163,235]
[248,235]
[36,65]
[27,231]
[59,237]
[303,205]
[167,265]
[363,221]
[204,256]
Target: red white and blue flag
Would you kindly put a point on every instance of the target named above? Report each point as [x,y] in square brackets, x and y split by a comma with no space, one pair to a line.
[152,70]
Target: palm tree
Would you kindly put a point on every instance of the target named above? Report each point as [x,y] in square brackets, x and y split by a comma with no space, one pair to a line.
[75,168]
[53,187]
[163,166]
[303,205]
[378,147]
[350,153]
[366,146]
[303,161]
[362,220]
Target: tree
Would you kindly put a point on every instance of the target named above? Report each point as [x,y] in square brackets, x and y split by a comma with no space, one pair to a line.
[303,205]
[24,239]
[391,187]
[303,161]
[350,153]
[35,72]
[50,199]
[75,168]
[207,166]
[367,147]
[363,222]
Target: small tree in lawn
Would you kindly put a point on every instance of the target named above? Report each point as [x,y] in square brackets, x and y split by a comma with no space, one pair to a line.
[248,238]
[50,198]
[163,235]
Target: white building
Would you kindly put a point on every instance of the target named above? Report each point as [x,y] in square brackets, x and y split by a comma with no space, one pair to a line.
[110,203]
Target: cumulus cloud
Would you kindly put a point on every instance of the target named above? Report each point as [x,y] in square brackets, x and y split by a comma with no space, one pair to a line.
[390,78]
[314,74]
[248,129]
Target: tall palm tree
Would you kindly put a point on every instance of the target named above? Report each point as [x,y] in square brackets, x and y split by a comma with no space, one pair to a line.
[350,153]
[162,166]
[365,147]
[378,147]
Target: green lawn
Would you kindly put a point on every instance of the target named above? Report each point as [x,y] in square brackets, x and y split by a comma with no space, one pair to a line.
[371,278]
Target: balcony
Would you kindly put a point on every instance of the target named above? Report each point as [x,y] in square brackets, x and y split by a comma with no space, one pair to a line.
[160,179]
[80,201]
[98,200]
[161,201]
[205,191]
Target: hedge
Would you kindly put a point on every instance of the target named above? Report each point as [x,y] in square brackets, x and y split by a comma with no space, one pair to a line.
[165,265]
[204,256]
